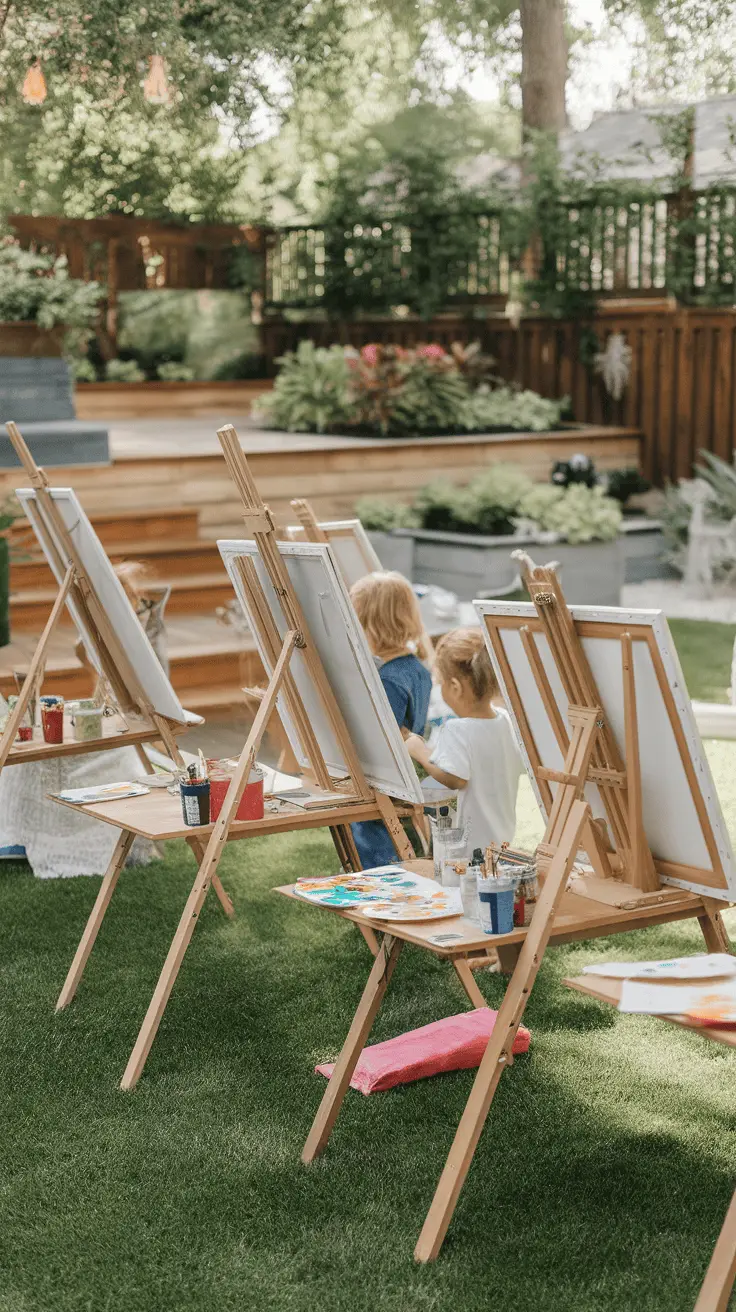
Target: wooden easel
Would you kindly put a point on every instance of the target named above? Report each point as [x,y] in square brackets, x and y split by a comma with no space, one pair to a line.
[155,816]
[619,787]
[113,661]
[590,755]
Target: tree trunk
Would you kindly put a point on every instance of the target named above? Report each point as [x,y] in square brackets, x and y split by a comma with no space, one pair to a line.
[543,65]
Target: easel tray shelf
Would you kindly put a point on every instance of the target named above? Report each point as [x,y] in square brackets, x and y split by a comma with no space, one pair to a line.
[115,733]
[158,816]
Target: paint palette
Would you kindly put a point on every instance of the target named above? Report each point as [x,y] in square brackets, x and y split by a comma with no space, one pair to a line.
[420,905]
[356,892]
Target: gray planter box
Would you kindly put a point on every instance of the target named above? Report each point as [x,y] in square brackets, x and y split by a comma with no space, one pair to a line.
[395,551]
[471,566]
[37,394]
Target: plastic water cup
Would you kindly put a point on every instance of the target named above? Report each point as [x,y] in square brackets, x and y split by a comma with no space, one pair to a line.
[469,897]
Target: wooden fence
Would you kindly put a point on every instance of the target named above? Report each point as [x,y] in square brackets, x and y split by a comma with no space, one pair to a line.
[682,386]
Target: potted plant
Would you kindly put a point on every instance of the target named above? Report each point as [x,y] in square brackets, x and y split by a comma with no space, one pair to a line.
[43,311]
[461,538]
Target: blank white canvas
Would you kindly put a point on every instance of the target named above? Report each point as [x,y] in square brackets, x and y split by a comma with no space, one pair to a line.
[350,545]
[671,821]
[109,592]
[351,671]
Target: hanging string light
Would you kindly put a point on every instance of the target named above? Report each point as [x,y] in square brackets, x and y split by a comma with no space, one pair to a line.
[34,85]
[155,86]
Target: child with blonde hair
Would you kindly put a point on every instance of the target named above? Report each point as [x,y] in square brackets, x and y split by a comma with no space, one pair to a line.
[475,753]
[389,614]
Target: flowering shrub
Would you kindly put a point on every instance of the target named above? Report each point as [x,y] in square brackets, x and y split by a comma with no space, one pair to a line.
[393,389]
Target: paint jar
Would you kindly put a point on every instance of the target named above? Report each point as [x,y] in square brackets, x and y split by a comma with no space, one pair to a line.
[52,719]
[251,803]
[87,722]
[25,733]
[195,802]
[496,901]
[469,895]
[51,699]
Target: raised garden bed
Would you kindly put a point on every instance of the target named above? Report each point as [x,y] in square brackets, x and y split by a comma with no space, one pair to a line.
[471,565]
[167,400]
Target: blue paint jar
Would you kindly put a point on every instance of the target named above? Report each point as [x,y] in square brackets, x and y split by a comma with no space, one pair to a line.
[496,899]
[195,802]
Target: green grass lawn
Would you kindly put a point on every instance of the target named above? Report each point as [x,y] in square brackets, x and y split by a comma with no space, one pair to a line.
[600,1182]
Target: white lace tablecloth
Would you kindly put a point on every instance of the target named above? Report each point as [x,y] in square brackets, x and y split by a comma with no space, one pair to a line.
[59,842]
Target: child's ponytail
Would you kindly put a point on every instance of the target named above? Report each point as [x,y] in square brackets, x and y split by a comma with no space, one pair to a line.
[462,654]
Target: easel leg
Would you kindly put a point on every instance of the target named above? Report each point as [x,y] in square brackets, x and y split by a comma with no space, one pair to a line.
[207,870]
[348,857]
[97,915]
[716,1288]
[714,930]
[404,849]
[467,979]
[500,1044]
[223,897]
[35,668]
[378,980]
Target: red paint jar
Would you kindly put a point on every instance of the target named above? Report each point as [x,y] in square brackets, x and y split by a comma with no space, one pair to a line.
[251,803]
[52,720]
[519,907]
[25,733]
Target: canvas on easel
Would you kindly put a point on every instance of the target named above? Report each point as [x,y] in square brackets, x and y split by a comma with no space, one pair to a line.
[105,620]
[656,816]
[351,546]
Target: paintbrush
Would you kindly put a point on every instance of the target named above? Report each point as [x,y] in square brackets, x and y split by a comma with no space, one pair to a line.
[203,773]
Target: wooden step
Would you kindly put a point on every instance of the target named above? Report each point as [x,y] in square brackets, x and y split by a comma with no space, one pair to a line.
[199,676]
[164,560]
[198,594]
[133,525]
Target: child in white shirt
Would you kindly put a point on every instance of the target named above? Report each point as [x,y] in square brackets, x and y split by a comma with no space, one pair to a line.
[475,753]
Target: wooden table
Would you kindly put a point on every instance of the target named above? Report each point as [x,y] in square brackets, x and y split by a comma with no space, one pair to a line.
[574,918]
[716,1289]
[157,815]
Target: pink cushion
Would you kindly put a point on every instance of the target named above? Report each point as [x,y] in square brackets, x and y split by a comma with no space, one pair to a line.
[454,1044]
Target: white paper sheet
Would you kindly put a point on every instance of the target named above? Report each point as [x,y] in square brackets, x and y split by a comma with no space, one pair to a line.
[708,1003]
[706,966]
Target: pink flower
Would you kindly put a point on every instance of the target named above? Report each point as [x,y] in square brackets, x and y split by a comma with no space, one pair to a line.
[369,354]
[433,351]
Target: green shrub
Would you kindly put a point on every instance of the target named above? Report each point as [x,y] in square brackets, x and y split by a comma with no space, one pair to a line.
[493,503]
[173,371]
[448,508]
[381,516]
[83,370]
[508,409]
[124,371]
[622,484]
[312,393]
[538,502]
[37,287]
[431,399]
[583,514]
